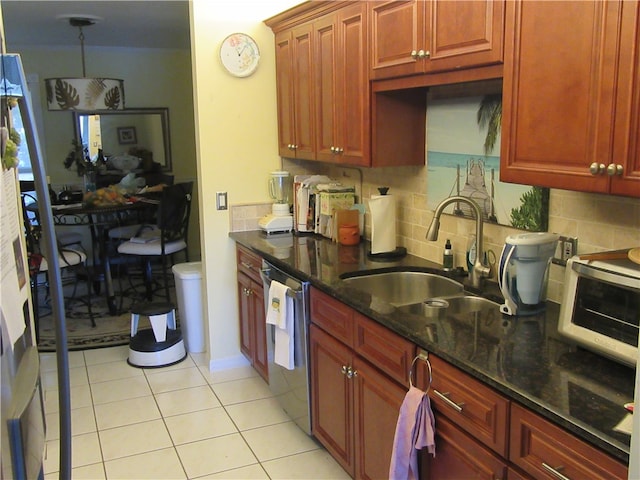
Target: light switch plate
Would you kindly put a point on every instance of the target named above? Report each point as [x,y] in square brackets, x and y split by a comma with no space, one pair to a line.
[221,200]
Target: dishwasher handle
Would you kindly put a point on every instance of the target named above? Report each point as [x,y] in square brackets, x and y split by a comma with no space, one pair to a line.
[266,280]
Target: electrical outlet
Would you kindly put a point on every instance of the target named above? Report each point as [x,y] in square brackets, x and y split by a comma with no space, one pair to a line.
[221,200]
[566,248]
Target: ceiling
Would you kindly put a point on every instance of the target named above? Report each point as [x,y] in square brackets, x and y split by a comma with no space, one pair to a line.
[122,23]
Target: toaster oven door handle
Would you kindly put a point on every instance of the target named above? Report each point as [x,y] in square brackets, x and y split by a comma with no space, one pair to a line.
[614,278]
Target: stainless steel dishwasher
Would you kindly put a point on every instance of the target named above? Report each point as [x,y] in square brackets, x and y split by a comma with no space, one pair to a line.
[291,387]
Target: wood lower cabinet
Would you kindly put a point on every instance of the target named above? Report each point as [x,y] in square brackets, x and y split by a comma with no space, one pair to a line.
[544,450]
[355,405]
[416,36]
[571,97]
[458,456]
[253,332]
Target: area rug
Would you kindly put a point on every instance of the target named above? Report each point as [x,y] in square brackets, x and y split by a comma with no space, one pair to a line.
[109,331]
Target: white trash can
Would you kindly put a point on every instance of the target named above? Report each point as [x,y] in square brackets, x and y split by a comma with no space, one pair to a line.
[188,278]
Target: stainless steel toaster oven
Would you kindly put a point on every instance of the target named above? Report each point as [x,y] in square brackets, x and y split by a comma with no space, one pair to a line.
[601,307]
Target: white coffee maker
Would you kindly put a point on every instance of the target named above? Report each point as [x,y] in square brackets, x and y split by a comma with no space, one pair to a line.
[280,190]
[523,272]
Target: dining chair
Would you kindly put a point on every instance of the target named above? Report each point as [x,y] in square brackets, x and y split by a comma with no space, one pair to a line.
[66,238]
[127,230]
[169,238]
[69,259]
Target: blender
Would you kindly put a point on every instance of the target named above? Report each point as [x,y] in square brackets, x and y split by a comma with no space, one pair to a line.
[280,190]
[523,272]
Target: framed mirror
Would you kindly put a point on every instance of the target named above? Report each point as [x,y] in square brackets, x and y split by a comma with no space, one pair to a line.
[141,132]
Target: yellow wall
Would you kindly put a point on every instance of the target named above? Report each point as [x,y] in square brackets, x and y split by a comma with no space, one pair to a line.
[236,144]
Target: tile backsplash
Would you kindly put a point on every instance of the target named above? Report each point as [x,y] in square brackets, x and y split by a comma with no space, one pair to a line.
[601,222]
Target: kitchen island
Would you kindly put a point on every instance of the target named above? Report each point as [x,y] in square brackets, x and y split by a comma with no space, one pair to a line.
[525,359]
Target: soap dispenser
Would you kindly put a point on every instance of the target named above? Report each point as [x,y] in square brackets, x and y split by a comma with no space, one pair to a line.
[447,257]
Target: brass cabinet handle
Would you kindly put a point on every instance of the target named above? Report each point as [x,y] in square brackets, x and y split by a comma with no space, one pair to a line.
[247,265]
[345,369]
[596,168]
[414,54]
[555,471]
[614,169]
[445,398]
[351,373]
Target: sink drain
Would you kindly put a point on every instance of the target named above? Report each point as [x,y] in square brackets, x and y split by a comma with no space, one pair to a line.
[435,307]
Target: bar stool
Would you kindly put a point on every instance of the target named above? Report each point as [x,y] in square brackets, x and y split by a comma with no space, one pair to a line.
[160,345]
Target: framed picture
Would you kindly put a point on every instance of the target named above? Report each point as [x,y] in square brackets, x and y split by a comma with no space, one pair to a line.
[126,135]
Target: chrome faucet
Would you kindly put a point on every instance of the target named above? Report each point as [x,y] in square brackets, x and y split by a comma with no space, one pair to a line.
[480,270]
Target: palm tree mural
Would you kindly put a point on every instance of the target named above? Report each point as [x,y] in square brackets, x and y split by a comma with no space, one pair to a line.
[533,212]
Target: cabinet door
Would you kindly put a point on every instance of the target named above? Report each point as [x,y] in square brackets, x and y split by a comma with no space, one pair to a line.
[459,456]
[294,92]
[377,405]
[627,140]
[342,86]
[244,311]
[397,29]
[558,93]
[303,102]
[260,360]
[463,34]
[332,397]
[284,93]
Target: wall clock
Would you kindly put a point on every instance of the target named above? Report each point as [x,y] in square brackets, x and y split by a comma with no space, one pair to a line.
[239,54]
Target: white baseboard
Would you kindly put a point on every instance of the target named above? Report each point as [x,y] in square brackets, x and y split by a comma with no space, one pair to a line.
[228,362]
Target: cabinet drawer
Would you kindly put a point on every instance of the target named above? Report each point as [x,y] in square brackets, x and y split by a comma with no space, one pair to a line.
[537,446]
[332,315]
[249,263]
[389,352]
[474,407]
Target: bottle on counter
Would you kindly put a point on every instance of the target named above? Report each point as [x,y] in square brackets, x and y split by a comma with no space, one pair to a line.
[447,257]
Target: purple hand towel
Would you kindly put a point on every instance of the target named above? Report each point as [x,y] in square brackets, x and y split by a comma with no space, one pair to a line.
[415,430]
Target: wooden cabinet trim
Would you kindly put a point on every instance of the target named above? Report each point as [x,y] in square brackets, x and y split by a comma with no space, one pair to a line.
[249,263]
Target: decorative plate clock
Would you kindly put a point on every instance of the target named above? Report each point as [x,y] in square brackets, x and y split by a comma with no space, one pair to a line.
[239,54]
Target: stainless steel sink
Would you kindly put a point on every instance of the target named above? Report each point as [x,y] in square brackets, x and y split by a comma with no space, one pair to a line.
[457,305]
[405,288]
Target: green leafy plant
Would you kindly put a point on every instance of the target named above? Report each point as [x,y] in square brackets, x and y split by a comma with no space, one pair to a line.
[79,157]
[490,117]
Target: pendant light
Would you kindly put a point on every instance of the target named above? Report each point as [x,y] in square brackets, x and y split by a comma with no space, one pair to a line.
[84,94]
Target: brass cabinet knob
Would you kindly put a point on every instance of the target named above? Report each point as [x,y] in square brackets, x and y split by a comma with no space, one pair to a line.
[614,169]
[422,54]
[427,54]
[595,168]
[414,54]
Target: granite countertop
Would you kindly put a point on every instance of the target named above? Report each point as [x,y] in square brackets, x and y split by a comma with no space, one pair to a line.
[523,358]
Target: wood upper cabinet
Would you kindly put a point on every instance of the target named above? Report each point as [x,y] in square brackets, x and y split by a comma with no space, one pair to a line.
[294,88]
[342,86]
[570,99]
[544,450]
[417,36]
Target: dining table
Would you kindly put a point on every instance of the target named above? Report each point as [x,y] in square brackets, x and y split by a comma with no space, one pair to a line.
[100,219]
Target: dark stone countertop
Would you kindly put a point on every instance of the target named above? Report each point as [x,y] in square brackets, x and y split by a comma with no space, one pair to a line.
[523,358]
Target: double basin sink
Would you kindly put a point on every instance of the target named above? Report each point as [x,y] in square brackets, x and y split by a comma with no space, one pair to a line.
[418,293]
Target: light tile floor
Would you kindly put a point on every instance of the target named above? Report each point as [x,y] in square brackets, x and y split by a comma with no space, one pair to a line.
[175,422]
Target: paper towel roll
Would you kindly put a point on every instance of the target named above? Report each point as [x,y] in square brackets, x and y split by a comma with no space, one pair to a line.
[383,223]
